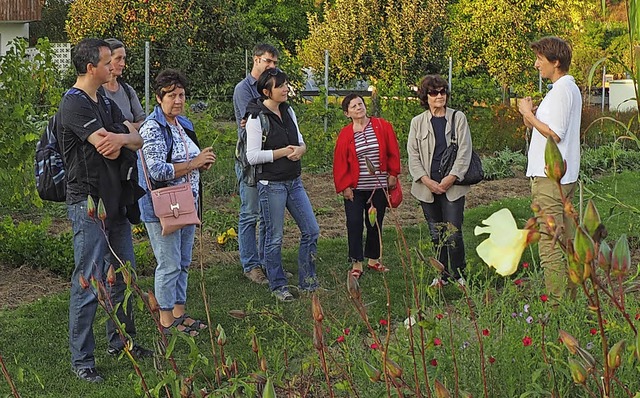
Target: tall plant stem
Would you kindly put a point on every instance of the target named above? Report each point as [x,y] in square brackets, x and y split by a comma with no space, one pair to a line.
[603,336]
[7,376]
[205,300]
[474,321]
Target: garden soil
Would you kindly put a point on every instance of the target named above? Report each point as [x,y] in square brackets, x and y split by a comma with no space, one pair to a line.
[27,284]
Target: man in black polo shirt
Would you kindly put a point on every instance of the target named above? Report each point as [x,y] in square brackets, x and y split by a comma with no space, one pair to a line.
[90,150]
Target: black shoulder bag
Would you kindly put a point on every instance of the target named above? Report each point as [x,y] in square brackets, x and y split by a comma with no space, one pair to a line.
[474,174]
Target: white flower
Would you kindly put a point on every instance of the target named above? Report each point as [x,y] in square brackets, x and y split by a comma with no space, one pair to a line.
[504,246]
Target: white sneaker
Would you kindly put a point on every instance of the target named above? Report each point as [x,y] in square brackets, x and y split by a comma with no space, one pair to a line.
[437,282]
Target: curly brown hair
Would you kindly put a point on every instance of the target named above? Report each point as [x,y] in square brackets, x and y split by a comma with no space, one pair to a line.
[429,83]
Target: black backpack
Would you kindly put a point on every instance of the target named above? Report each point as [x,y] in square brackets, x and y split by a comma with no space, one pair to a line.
[50,176]
[248,170]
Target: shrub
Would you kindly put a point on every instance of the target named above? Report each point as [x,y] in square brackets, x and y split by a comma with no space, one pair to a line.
[505,163]
[26,243]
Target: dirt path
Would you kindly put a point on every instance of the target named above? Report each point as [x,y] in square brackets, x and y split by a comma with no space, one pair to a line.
[24,285]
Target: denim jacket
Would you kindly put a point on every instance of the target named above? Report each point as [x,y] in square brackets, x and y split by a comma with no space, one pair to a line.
[157,116]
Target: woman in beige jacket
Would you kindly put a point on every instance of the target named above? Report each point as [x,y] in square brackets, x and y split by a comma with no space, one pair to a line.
[442,202]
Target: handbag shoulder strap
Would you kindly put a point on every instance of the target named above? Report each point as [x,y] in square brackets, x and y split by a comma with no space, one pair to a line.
[454,137]
[144,164]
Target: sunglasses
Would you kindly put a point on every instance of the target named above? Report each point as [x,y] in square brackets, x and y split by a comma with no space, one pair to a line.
[269,61]
[434,93]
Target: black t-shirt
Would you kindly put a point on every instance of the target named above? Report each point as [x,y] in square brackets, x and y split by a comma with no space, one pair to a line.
[79,117]
[439,125]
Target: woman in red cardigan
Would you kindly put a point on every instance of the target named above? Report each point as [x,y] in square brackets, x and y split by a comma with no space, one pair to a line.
[373,139]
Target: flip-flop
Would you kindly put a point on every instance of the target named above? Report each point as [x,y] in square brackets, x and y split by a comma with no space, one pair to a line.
[167,330]
[378,267]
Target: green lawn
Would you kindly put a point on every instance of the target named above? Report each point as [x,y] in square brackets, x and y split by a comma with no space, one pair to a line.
[33,338]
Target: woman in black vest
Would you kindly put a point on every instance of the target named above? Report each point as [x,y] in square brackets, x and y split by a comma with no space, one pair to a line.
[277,152]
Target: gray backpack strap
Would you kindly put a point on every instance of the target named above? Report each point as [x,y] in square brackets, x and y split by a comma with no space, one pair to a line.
[266,126]
[454,137]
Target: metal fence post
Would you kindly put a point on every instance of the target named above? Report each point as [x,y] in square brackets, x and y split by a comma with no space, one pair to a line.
[326,85]
[147,61]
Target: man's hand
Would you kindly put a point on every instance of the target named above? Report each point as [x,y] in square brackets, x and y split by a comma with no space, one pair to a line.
[109,143]
[243,123]
[348,194]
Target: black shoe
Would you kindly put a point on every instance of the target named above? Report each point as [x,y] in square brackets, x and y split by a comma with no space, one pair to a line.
[138,352]
[88,374]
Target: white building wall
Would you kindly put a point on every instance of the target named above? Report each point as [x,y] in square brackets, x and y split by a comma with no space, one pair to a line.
[9,31]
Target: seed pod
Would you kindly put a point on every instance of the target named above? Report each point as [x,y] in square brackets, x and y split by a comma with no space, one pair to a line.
[102,211]
[263,364]
[153,303]
[569,341]
[555,166]
[613,357]
[435,263]
[370,167]
[222,336]
[91,207]
[269,389]
[604,256]
[621,257]
[316,309]
[111,275]
[372,373]
[238,314]
[578,372]
[591,219]
[393,368]
[353,287]
[441,390]
[373,213]
[84,284]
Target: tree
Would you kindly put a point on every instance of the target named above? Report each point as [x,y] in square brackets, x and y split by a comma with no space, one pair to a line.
[28,94]
[494,35]
[203,38]
[52,24]
[382,39]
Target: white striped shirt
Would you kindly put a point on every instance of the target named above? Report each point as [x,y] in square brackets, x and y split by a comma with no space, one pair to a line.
[367,146]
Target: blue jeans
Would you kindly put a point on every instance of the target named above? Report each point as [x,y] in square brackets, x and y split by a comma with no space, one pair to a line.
[92,258]
[448,243]
[274,198]
[173,255]
[251,252]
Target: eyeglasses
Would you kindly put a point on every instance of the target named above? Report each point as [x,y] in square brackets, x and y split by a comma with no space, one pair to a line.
[434,93]
[269,61]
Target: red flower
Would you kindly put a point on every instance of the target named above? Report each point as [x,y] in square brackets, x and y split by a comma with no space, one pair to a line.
[593,331]
[485,332]
[518,281]
[340,339]
[383,322]
[347,331]
[440,316]
[434,362]
[524,265]
[491,358]
[544,298]
[638,317]
[374,346]
[526,341]
[437,341]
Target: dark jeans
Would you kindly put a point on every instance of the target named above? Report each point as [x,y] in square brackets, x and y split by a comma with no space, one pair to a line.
[357,217]
[441,215]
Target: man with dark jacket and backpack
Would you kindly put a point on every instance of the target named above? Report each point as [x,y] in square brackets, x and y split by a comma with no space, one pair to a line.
[87,142]
[265,57]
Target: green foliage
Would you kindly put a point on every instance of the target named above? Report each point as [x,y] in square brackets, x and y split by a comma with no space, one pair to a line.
[610,158]
[505,163]
[494,36]
[26,243]
[51,26]
[496,127]
[470,91]
[28,94]
[387,39]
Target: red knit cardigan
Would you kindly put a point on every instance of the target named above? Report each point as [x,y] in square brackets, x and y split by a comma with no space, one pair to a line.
[346,169]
